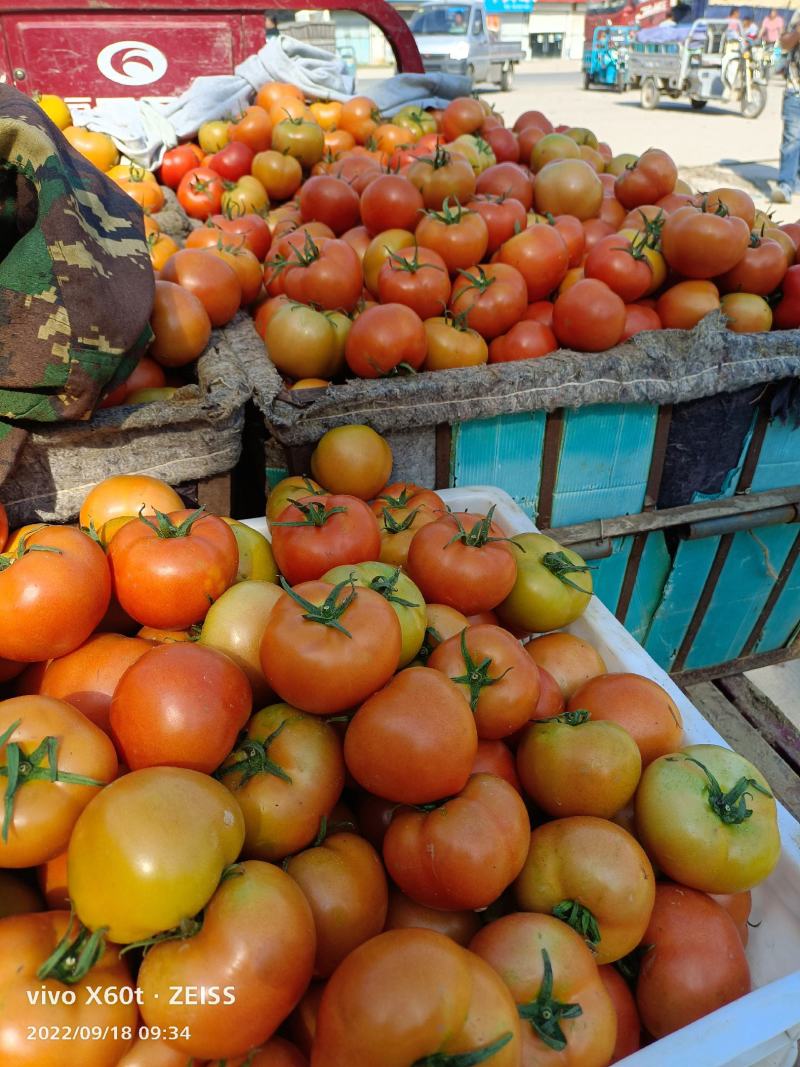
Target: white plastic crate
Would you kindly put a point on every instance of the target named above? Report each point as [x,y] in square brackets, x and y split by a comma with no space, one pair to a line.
[763,1028]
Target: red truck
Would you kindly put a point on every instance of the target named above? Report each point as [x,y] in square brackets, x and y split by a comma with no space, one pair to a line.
[93,50]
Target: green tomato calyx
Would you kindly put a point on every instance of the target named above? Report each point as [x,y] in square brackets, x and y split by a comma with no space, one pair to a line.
[560,565]
[545,1013]
[580,919]
[731,807]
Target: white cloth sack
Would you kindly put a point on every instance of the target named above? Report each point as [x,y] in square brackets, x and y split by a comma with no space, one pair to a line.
[143,132]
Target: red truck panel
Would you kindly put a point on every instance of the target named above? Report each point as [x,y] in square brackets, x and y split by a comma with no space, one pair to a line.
[152,48]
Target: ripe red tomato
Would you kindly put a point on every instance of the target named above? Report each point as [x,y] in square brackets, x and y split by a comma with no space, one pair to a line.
[254,129]
[525,340]
[87,677]
[629,1026]
[391,202]
[180,323]
[504,216]
[495,674]
[200,192]
[760,269]
[695,962]
[683,305]
[651,177]
[787,310]
[455,1007]
[179,705]
[465,852]
[507,179]
[698,244]
[622,265]
[540,311]
[177,162]
[392,741]
[233,161]
[257,925]
[214,282]
[316,533]
[167,571]
[464,561]
[384,339]
[440,176]
[460,236]
[343,880]
[493,296]
[329,200]
[503,143]
[416,277]
[589,317]
[55,588]
[323,272]
[540,255]
[286,773]
[327,649]
[639,318]
[462,115]
[252,230]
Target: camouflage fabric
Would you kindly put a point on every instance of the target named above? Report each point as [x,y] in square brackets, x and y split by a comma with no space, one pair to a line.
[76,285]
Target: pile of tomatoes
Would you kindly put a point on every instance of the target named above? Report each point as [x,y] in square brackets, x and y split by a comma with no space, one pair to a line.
[439,239]
[322,800]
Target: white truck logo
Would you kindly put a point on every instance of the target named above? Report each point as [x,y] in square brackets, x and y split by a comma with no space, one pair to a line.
[138,63]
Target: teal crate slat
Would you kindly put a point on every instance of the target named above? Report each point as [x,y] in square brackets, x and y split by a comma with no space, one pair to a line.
[681,592]
[784,619]
[779,461]
[604,462]
[505,451]
[748,575]
[654,567]
[608,574]
[275,475]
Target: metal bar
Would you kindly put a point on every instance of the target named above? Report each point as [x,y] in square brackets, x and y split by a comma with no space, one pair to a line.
[684,515]
[594,549]
[726,541]
[655,474]
[444,446]
[551,451]
[765,716]
[772,599]
[732,523]
[737,666]
[660,441]
[631,574]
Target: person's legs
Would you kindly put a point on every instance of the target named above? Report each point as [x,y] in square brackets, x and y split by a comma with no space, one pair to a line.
[790,149]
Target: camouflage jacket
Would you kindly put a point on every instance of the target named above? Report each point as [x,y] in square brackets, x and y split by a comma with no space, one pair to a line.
[76,285]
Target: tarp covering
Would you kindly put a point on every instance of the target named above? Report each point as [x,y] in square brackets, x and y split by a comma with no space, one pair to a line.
[653,368]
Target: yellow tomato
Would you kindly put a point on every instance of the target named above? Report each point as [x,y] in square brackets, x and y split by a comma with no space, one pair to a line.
[256,562]
[55,109]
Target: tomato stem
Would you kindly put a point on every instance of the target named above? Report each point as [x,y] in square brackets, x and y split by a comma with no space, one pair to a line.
[23,548]
[165,528]
[427,648]
[75,954]
[328,612]
[392,526]
[545,1013]
[315,512]
[254,759]
[186,929]
[477,281]
[568,718]
[731,807]
[448,215]
[477,676]
[479,534]
[20,769]
[580,919]
[465,1059]
[560,565]
[386,584]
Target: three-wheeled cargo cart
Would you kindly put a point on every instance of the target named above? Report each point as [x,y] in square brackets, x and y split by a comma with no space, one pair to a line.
[605,59]
[707,60]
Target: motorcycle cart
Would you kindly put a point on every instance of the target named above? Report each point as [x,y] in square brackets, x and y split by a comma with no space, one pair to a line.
[707,60]
[605,60]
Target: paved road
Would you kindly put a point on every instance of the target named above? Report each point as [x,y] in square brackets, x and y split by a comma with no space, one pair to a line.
[713,146]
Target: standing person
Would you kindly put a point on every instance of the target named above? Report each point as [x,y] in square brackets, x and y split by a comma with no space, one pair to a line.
[734,18]
[749,29]
[771,27]
[790,140]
